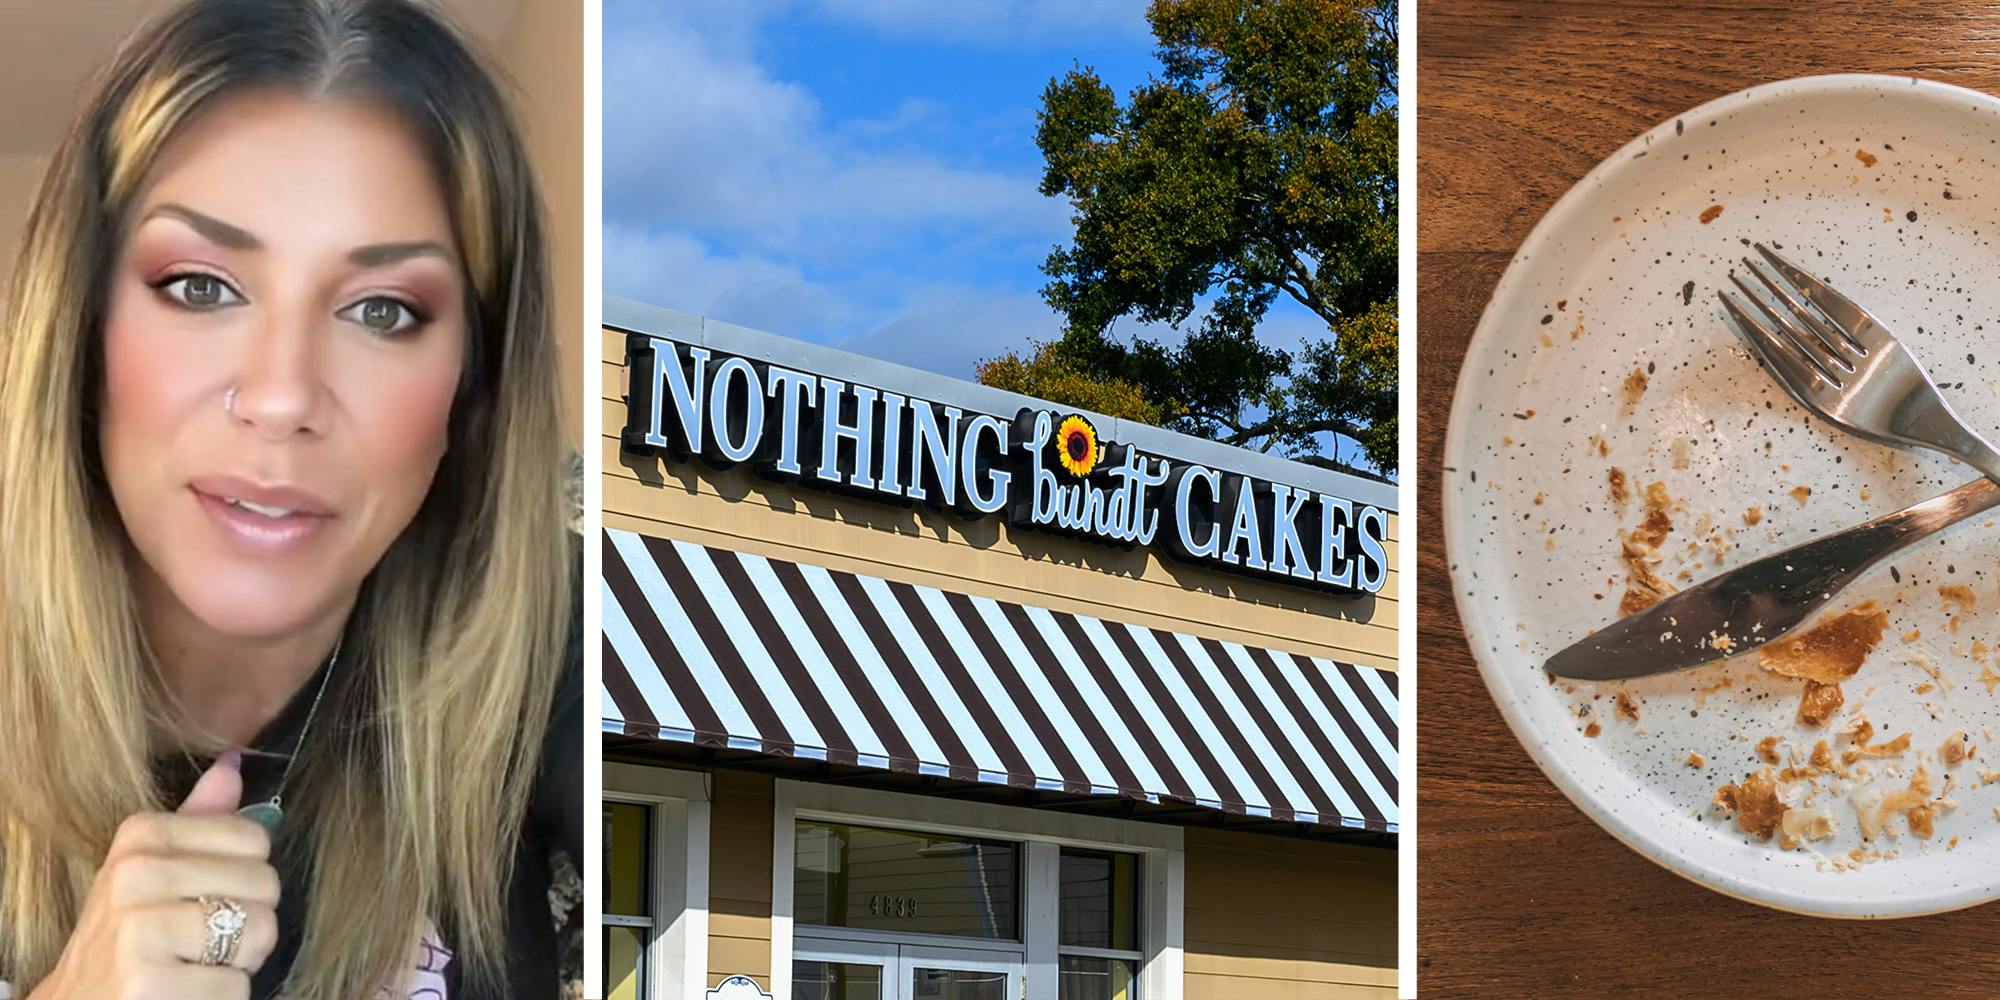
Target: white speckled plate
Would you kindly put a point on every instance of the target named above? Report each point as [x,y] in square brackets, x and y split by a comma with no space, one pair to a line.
[1890,188]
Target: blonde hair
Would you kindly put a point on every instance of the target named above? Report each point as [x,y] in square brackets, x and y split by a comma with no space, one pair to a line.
[411,803]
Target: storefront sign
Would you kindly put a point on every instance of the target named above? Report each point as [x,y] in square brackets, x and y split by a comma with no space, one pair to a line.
[1042,468]
[738,988]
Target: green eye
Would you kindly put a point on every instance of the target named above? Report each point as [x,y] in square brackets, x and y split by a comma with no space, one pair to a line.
[382,315]
[200,291]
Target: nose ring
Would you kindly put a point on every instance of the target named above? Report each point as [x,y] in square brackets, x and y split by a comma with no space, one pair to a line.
[229,401]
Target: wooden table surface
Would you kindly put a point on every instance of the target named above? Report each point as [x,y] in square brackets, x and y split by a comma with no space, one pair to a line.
[1519,894]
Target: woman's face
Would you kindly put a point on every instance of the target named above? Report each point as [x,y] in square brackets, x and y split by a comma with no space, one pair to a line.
[283,340]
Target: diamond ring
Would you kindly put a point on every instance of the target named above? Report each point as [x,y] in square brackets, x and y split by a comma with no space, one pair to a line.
[225,922]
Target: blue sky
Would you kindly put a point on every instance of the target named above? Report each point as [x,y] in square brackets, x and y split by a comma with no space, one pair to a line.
[860,173]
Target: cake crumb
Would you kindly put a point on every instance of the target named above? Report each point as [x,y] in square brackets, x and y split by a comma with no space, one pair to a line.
[1874,807]
[1627,707]
[1635,387]
[1708,214]
[1645,588]
[1955,750]
[1922,661]
[1830,651]
[1891,748]
[1658,523]
[1696,760]
[1799,825]
[1758,807]
[1800,493]
[1820,703]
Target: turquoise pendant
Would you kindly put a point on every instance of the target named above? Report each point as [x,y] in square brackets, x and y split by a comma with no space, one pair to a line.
[265,814]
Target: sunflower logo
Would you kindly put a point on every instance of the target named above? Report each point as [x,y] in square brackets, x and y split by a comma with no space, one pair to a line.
[1077,447]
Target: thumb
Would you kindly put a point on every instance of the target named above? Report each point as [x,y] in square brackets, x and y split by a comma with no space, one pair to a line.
[220,789]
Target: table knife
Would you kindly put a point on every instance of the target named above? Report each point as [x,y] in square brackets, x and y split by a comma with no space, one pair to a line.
[1737,611]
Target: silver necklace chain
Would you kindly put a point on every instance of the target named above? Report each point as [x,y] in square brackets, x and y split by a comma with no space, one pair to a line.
[284,780]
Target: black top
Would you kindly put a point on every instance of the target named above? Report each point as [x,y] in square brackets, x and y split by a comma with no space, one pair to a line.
[554,822]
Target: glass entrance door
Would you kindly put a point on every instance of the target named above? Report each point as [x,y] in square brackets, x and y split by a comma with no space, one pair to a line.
[843,970]
[868,970]
[959,974]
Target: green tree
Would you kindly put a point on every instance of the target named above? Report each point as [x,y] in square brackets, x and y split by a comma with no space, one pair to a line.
[1046,374]
[1260,162]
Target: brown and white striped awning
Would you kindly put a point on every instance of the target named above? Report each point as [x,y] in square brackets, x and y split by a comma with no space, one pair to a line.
[726,649]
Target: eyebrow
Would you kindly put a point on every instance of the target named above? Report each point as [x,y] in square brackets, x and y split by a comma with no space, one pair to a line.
[211,228]
[382,254]
[372,255]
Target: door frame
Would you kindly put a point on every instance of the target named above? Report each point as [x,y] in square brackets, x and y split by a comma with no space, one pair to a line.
[1014,967]
[1042,835]
[880,954]
[896,955]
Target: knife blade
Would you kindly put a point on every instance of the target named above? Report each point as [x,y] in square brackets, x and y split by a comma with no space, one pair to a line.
[1761,600]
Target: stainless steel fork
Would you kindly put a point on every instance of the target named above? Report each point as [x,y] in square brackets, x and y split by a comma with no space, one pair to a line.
[1841,363]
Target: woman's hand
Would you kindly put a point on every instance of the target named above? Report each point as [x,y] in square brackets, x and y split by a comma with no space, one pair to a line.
[143,926]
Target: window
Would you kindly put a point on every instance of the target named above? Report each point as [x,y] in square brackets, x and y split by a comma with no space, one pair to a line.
[1097,932]
[888,880]
[628,894]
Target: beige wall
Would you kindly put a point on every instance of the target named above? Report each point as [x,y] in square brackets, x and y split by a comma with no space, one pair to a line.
[1280,919]
[20,177]
[740,841]
[737,510]
[542,54]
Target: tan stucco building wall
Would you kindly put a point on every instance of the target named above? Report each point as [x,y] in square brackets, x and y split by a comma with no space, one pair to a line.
[1281,919]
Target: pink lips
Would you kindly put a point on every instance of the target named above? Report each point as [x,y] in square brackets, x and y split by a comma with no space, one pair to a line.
[260,533]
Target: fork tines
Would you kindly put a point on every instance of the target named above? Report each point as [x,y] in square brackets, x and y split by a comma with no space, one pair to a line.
[1814,333]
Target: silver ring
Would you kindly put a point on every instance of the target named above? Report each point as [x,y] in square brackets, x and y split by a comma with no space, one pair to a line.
[229,401]
[225,922]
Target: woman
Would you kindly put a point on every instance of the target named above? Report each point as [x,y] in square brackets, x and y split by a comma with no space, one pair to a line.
[287,608]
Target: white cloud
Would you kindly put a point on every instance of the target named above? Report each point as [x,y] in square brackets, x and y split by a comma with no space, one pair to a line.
[700,137]
[680,272]
[949,328]
[911,113]
[944,327]
[694,133]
